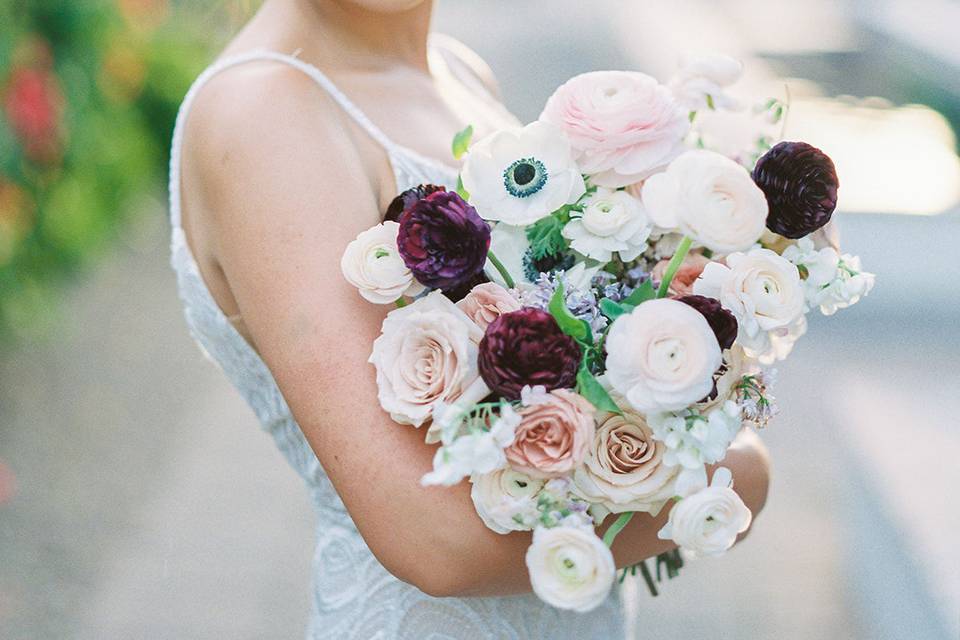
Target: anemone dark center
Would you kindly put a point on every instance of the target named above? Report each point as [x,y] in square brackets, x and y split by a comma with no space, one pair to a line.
[524,173]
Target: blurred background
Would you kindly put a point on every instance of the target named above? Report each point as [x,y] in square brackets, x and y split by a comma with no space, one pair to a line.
[138,498]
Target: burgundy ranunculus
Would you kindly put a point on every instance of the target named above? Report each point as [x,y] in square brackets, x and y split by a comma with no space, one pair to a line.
[800,183]
[407,199]
[527,347]
[723,323]
[443,240]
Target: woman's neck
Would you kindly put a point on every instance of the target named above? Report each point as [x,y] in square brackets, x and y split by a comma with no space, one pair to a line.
[360,37]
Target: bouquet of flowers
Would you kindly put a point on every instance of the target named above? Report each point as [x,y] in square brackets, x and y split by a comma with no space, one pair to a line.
[586,322]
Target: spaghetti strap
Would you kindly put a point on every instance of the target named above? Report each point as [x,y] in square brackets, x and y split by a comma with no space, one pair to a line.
[318,76]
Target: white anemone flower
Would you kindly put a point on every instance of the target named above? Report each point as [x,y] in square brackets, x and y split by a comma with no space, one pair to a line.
[521,175]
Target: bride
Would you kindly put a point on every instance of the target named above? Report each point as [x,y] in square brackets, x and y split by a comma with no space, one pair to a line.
[317,114]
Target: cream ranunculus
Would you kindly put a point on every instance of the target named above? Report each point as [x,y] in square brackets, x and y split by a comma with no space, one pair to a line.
[611,221]
[570,567]
[662,356]
[373,265]
[761,289]
[426,353]
[701,80]
[520,175]
[624,468]
[710,198]
[708,522]
[486,302]
[503,494]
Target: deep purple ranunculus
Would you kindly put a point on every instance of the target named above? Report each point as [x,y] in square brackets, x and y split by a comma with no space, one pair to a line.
[407,199]
[443,240]
[527,347]
[800,183]
[723,323]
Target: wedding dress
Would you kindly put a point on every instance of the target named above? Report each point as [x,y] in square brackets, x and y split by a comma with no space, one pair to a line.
[353,596]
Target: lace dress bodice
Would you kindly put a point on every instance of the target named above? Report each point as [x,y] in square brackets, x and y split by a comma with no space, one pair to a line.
[354,597]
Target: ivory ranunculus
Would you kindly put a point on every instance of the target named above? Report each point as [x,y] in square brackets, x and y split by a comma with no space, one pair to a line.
[622,125]
[426,353]
[761,289]
[710,198]
[486,302]
[624,468]
[701,80]
[374,266]
[662,356]
[708,522]
[570,567]
[500,495]
[611,221]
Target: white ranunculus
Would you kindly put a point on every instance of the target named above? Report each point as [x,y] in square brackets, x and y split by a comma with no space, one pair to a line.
[374,266]
[570,567]
[611,221]
[708,522]
[624,468]
[662,356]
[520,175]
[706,75]
[426,353]
[708,197]
[692,439]
[502,494]
[761,289]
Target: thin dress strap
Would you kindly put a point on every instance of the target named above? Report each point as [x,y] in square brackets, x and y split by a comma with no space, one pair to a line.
[254,56]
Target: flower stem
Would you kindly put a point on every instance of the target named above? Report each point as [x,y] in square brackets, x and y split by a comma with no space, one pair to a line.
[616,528]
[400,302]
[682,249]
[648,579]
[502,269]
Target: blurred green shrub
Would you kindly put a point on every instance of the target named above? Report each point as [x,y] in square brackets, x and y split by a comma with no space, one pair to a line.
[88,94]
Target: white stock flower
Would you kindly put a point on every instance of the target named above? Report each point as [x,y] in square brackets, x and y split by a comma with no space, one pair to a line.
[520,175]
[509,243]
[374,266]
[570,567]
[820,266]
[693,439]
[662,356]
[611,221]
[846,290]
[706,75]
[708,197]
[426,353]
[477,452]
[505,496]
[761,289]
[708,522]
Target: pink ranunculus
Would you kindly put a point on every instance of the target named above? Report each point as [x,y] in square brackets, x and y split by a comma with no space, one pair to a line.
[553,436]
[622,125]
[690,269]
[486,302]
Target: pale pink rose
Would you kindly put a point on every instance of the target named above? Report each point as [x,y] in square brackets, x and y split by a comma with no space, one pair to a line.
[622,125]
[553,436]
[690,269]
[486,302]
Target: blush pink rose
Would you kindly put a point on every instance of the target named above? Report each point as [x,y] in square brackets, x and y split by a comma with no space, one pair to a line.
[553,436]
[622,125]
[486,302]
[690,269]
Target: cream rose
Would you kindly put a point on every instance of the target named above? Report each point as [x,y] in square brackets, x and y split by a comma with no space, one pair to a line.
[502,494]
[570,567]
[708,522]
[624,468]
[710,198]
[426,353]
[611,221]
[553,435]
[486,302]
[761,289]
[662,356]
[374,266]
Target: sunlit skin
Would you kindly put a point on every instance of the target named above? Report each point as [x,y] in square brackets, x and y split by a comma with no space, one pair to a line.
[276,182]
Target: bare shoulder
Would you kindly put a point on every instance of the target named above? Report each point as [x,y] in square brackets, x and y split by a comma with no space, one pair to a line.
[467,59]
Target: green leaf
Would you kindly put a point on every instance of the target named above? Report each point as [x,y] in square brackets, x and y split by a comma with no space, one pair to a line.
[463,193]
[641,294]
[613,310]
[546,236]
[710,103]
[570,324]
[590,388]
[461,141]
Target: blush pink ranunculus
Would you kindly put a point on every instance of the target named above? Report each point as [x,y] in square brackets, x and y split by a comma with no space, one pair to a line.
[622,125]
[486,302]
[690,269]
[553,436]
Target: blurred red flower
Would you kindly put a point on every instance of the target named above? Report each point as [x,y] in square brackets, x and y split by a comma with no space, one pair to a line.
[33,106]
